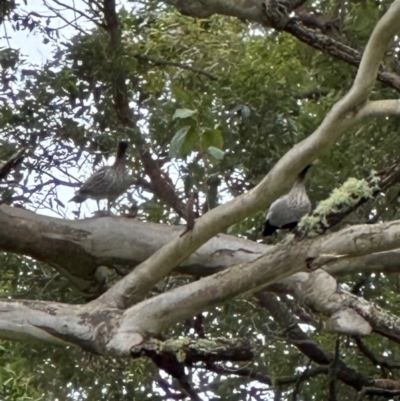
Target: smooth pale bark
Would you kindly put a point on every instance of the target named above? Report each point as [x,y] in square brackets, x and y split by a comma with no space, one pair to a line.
[77,248]
[348,313]
[151,316]
[384,262]
[57,323]
[104,330]
[251,10]
[388,107]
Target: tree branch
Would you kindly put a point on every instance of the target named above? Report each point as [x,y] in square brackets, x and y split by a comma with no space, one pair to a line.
[156,314]
[242,372]
[78,248]
[369,355]
[176,64]
[294,335]
[107,330]
[136,285]
[380,108]
[251,10]
[14,161]
[161,183]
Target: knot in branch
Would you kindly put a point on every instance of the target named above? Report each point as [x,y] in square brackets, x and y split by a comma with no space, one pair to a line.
[276,14]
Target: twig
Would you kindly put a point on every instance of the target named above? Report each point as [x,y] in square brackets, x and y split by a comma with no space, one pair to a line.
[176,64]
[369,355]
[14,161]
[79,12]
[371,391]
[300,380]
[304,344]
[243,372]
[333,372]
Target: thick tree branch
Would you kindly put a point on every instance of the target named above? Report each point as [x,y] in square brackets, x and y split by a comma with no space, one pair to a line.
[156,314]
[348,313]
[57,323]
[191,351]
[78,248]
[294,335]
[252,10]
[242,9]
[343,115]
[111,331]
[380,108]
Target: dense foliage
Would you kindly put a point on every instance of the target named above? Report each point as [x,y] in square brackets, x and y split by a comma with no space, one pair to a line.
[216,102]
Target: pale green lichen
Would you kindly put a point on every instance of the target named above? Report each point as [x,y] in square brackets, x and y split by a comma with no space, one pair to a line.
[340,200]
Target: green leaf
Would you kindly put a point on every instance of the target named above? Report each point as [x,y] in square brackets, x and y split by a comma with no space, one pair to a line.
[212,137]
[177,141]
[190,143]
[183,113]
[216,153]
[181,95]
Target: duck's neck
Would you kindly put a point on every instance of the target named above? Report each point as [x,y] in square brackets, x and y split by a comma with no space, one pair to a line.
[120,158]
[298,184]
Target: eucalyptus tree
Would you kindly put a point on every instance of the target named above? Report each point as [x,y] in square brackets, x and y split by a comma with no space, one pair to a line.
[176,294]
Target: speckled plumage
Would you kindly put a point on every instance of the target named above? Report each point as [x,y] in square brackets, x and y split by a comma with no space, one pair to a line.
[108,182]
[287,210]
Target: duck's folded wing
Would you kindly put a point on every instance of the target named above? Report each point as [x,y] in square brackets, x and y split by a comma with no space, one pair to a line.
[96,184]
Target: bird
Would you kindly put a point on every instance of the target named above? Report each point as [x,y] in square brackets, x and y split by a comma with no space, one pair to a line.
[287,210]
[108,182]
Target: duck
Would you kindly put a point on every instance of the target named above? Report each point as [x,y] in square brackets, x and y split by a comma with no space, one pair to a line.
[108,182]
[288,210]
